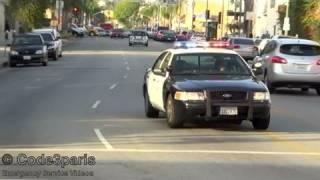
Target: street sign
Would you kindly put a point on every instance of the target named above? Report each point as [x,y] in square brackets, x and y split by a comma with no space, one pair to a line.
[286,24]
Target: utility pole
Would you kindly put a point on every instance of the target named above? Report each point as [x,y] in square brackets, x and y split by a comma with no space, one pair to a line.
[286,26]
[207,14]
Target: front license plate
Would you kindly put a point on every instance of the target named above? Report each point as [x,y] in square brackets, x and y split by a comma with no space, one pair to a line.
[26,57]
[229,111]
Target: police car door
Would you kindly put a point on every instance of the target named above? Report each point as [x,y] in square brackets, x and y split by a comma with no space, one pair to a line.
[161,78]
[152,80]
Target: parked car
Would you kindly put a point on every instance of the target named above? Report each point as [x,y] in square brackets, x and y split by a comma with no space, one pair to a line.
[166,35]
[97,31]
[77,31]
[182,36]
[54,41]
[106,26]
[117,33]
[138,37]
[293,63]
[243,46]
[126,33]
[27,49]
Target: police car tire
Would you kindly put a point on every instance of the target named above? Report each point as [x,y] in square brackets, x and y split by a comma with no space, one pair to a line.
[261,123]
[55,56]
[150,111]
[318,91]
[12,64]
[175,117]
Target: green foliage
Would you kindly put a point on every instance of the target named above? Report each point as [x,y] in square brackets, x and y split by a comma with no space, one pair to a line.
[311,19]
[126,11]
[29,12]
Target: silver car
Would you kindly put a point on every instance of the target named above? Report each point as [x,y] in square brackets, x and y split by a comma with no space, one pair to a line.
[293,63]
[243,46]
[138,37]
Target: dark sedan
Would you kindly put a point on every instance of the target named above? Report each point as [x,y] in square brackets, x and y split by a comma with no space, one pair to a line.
[117,33]
[169,36]
[27,49]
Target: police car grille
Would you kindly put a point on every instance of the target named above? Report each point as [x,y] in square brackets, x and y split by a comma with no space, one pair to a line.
[229,96]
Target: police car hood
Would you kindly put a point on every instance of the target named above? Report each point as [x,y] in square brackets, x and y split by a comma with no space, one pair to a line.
[217,82]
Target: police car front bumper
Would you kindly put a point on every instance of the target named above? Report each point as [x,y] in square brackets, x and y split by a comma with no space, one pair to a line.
[211,110]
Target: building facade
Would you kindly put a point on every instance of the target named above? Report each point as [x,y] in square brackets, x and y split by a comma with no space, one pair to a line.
[2,22]
[269,17]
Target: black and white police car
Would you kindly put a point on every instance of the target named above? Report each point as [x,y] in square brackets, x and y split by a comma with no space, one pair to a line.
[216,84]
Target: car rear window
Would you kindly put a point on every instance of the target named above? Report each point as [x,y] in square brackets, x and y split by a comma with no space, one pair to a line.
[300,49]
[139,33]
[244,41]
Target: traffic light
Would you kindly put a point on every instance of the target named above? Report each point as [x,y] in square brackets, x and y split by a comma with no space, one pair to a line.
[75,11]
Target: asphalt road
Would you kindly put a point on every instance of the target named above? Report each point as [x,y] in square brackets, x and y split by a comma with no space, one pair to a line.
[90,102]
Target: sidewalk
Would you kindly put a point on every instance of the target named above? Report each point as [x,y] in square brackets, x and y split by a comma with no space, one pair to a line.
[3,58]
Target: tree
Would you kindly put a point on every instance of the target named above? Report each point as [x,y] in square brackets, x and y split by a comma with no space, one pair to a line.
[29,12]
[311,19]
[126,11]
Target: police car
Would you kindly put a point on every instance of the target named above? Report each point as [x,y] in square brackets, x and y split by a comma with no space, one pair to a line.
[215,84]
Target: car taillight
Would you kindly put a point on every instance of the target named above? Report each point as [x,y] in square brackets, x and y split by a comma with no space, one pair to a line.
[278,60]
[318,62]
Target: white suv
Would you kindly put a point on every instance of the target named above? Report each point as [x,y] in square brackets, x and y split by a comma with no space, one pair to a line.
[138,37]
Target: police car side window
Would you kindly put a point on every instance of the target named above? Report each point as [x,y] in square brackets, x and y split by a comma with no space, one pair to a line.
[165,62]
[156,67]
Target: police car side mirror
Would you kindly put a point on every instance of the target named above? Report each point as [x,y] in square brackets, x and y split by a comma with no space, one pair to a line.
[148,70]
[257,69]
[169,69]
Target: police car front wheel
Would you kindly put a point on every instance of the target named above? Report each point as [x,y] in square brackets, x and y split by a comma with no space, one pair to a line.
[175,116]
[261,123]
[150,111]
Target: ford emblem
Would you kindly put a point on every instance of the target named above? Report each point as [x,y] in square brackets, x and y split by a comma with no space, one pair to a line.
[227,96]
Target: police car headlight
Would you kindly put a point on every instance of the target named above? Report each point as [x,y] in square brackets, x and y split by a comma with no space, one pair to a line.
[189,96]
[14,53]
[39,52]
[261,96]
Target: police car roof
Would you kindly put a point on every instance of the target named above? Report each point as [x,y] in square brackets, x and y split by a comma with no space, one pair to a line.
[201,50]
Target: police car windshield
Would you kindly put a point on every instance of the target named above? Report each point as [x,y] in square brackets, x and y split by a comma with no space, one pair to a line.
[212,63]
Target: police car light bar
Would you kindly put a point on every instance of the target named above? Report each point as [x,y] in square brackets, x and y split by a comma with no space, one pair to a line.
[185,44]
[201,44]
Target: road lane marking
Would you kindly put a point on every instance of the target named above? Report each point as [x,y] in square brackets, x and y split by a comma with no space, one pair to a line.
[287,143]
[88,53]
[126,63]
[125,76]
[110,148]
[113,86]
[103,140]
[96,104]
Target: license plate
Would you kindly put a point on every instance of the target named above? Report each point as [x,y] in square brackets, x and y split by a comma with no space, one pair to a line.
[26,57]
[138,37]
[228,111]
[301,66]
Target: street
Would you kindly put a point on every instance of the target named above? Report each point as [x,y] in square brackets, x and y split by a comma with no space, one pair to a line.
[91,101]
